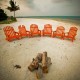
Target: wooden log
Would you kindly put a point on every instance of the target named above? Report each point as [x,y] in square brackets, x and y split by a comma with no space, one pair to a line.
[44,62]
[39,73]
[44,59]
[35,63]
[41,61]
[48,61]
[31,68]
[39,57]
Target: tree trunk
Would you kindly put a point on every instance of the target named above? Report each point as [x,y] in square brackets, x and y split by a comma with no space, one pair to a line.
[14,10]
[14,14]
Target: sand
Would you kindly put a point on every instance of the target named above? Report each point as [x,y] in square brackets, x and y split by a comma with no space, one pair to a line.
[65,55]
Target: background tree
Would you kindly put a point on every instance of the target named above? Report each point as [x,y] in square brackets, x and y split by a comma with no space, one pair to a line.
[13,7]
[3,15]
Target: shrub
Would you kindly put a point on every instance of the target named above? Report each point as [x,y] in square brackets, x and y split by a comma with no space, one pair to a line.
[3,16]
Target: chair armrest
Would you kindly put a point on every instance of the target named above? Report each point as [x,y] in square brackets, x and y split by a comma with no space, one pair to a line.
[17,33]
[39,30]
[66,32]
[27,31]
[54,32]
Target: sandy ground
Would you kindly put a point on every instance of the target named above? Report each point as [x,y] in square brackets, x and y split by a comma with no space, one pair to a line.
[65,55]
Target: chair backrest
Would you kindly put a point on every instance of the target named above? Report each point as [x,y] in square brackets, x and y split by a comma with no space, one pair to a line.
[34,28]
[48,28]
[72,32]
[22,29]
[60,29]
[8,28]
[9,31]
[74,28]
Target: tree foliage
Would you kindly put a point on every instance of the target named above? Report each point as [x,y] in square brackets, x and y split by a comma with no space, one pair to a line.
[3,15]
[13,6]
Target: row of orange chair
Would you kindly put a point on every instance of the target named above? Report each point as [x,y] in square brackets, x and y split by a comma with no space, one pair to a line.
[34,30]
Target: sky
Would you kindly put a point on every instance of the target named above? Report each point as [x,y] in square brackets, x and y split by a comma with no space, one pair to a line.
[44,7]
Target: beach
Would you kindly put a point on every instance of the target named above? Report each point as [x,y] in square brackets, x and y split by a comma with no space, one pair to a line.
[65,55]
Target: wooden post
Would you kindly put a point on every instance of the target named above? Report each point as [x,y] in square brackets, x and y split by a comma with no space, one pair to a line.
[14,14]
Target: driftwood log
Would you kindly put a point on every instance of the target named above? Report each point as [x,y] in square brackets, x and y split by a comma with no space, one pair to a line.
[39,73]
[39,57]
[40,62]
[35,63]
[44,62]
[48,61]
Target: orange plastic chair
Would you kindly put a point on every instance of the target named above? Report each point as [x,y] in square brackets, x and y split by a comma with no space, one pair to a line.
[47,30]
[23,32]
[34,30]
[59,32]
[10,33]
[71,34]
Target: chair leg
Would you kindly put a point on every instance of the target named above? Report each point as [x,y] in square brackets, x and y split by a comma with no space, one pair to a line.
[62,37]
[9,40]
[54,35]
[72,40]
[51,35]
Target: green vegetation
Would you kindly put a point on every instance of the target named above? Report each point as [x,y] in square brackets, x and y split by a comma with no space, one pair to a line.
[13,7]
[9,20]
[3,15]
[4,19]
